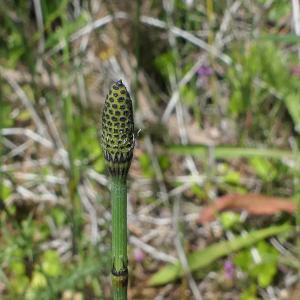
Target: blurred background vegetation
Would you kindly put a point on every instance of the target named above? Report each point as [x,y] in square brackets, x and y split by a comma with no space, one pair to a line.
[215,86]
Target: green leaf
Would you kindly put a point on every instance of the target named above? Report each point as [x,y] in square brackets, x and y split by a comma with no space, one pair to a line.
[17,267]
[51,264]
[5,191]
[38,280]
[263,168]
[265,270]
[145,163]
[232,177]
[165,63]
[203,258]
[229,219]
[287,38]
[249,293]
[266,273]
[293,107]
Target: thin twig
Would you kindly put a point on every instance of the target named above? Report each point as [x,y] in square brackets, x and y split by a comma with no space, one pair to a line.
[181,253]
[151,21]
[91,212]
[28,133]
[151,250]
[26,102]
[40,24]
[296,19]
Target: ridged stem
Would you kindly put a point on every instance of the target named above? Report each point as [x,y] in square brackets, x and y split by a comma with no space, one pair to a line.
[119,238]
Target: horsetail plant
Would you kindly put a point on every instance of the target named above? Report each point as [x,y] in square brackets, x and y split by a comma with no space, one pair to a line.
[117,141]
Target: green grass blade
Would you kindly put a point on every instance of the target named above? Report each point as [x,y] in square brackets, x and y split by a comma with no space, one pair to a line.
[203,258]
[286,38]
[292,105]
[227,152]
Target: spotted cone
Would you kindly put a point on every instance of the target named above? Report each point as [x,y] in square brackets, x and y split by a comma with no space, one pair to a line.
[117,136]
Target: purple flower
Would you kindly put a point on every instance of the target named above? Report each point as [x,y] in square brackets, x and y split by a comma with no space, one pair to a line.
[204,71]
[229,269]
[138,254]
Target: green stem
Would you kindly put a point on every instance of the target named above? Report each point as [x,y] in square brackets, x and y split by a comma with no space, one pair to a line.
[119,238]
[117,142]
